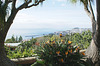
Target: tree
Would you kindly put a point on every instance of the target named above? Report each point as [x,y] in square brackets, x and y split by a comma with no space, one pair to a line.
[13,39]
[20,39]
[93,51]
[8,11]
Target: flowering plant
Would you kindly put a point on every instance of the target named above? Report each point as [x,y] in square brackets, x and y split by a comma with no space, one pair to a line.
[62,54]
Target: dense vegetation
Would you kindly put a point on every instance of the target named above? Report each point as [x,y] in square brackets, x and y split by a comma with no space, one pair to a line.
[61,53]
[54,47]
[83,40]
[25,49]
[79,39]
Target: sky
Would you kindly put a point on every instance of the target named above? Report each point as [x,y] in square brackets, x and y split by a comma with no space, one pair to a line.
[51,16]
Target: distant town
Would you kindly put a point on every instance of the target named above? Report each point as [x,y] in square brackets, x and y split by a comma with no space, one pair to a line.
[74,30]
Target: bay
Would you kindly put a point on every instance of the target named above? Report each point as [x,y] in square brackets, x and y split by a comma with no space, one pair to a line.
[29,33]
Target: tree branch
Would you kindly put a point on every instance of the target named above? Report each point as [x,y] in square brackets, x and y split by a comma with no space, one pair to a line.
[24,5]
[9,21]
[87,10]
[12,15]
[92,19]
[85,3]
[91,10]
[35,4]
[13,4]
[7,1]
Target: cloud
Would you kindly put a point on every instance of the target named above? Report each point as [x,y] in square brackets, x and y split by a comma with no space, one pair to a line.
[53,3]
[63,5]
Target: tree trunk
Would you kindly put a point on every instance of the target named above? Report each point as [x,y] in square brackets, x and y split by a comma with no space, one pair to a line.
[93,54]
[93,51]
[4,61]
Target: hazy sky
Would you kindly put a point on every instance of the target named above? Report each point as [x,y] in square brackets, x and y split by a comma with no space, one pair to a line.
[52,15]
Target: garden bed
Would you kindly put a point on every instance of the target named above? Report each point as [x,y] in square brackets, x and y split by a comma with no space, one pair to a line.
[26,60]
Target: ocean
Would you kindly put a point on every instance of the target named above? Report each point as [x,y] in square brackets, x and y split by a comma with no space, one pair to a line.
[29,33]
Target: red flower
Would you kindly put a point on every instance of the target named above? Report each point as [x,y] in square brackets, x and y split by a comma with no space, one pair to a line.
[37,44]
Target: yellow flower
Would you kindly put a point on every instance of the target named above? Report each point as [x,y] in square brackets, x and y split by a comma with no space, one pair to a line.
[82,53]
[58,52]
[69,42]
[62,60]
[62,40]
[60,35]
[66,53]
[47,42]
[70,51]
[53,42]
[76,49]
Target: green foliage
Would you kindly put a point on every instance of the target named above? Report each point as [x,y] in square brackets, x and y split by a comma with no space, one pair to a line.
[81,39]
[50,35]
[73,1]
[20,38]
[84,2]
[8,41]
[55,50]
[38,63]
[14,39]
[28,44]
[21,52]
[26,49]
[54,37]
[61,54]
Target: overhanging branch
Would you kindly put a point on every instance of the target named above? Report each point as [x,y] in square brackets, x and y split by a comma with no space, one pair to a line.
[35,4]
[87,10]
[24,5]
[91,10]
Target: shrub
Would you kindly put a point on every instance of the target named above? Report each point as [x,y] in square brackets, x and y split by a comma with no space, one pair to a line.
[62,54]
[21,53]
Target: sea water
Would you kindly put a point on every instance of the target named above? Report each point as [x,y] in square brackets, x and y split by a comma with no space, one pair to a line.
[30,33]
